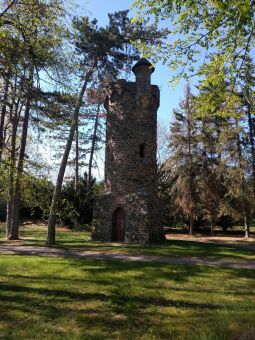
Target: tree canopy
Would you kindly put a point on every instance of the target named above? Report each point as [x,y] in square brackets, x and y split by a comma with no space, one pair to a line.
[198,29]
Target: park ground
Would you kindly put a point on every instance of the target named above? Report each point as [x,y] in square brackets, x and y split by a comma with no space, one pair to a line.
[71,298]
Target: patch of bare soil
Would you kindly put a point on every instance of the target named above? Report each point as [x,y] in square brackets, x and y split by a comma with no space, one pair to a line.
[218,239]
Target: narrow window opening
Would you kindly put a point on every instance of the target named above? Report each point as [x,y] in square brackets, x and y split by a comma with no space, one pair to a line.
[142,150]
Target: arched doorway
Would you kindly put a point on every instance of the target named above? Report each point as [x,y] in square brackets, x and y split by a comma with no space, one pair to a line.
[119,225]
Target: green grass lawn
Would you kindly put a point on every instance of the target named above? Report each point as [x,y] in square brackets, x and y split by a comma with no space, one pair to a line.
[36,235]
[49,298]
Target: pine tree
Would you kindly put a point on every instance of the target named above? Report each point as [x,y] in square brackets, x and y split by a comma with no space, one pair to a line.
[183,145]
[209,102]
[110,50]
[247,97]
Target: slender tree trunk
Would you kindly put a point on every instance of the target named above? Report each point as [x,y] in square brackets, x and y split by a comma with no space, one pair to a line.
[251,138]
[212,227]
[218,126]
[2,120]
[12,168]
[224,224]
[241,166]
[7,8]
[191,219]
[246,225]
[14,115]
[52,217]
[94,138]
[245,213]
[14,232]
[191,223]
[189,119]
[10,200]
[76,177]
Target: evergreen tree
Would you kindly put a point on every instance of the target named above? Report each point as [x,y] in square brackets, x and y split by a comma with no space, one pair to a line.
[247,98]
[209,102]
[183,145]
[108,49]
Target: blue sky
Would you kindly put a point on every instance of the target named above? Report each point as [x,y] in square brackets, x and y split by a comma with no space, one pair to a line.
[170,98]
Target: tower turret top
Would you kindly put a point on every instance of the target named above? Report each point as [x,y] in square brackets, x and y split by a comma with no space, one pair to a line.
[143,62]
[143,70]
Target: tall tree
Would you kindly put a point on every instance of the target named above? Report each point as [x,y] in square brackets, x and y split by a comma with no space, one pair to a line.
[31,32]
[237,199]
[208,179]
[105,48]
[213,104]
[96,99]
[247,97]
[183,146]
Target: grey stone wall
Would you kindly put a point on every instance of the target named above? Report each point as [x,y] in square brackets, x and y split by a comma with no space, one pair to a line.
[137,223]
[131,122]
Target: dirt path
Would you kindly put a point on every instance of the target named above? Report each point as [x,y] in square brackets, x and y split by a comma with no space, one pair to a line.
[56,252]
[233,241]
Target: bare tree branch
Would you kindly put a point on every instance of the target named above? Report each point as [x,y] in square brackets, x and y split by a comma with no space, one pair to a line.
[7,8]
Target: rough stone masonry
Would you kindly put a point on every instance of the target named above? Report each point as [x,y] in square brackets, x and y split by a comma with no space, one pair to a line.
[128,210]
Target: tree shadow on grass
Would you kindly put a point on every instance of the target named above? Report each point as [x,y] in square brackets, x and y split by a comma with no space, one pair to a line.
[50,303]
[111,296]
[117,298]
[137,310]
[155,271]
[150,285]
[149,271]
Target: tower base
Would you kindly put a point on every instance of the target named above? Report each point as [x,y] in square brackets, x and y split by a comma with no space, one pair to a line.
[126,218]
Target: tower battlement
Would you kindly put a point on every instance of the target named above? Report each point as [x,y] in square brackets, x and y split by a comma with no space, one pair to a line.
[143,70]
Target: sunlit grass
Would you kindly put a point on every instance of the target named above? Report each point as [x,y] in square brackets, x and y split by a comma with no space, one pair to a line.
[51,298]
[35,235]
[46,298]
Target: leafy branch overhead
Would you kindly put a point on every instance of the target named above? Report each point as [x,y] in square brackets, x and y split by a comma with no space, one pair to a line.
[198,29]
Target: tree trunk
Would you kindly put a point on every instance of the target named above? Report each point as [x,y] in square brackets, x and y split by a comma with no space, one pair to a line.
[76,177]
[251,137]
[10,201]
[52,217]
[3,113]
[212,227]
[224,224]
[12,168]
[7,8]
[244,209]
[14,231]
[246,225]
[191,223]
[189,119]
[94,138]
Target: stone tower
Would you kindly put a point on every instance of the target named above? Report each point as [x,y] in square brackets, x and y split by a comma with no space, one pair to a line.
[127,211]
